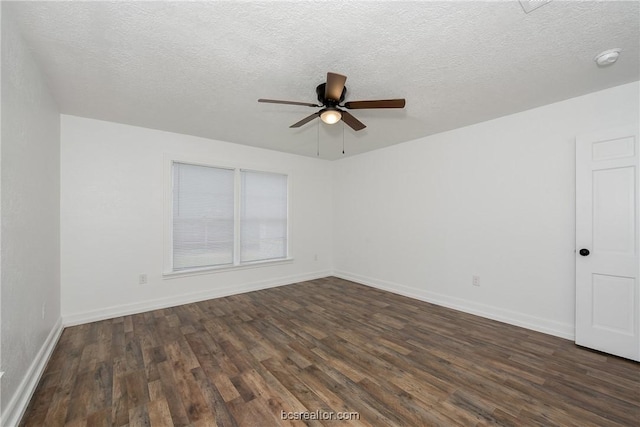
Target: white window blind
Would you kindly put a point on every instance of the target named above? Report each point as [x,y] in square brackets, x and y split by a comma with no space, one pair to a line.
[263,216]
[203,216]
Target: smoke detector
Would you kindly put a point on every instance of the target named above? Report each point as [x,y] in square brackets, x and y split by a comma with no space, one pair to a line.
[606,58]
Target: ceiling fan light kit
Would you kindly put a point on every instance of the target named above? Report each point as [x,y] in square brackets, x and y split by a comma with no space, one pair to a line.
[330,95]
[330,115]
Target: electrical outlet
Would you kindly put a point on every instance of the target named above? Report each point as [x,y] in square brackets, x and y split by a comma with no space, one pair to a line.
[142,279]
[475,281]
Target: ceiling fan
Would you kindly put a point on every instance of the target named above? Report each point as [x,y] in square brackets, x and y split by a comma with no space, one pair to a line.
[330,96]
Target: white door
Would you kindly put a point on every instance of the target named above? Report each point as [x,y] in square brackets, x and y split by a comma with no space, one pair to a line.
[607,253]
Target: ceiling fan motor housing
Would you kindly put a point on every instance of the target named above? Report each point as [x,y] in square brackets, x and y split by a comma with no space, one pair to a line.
[320,90]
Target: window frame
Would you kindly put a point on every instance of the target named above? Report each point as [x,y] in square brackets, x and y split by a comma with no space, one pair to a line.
[169,161]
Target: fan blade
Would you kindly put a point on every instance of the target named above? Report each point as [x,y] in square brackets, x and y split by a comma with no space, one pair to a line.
[334,87]
[275,101]
[305,120]
[381,103]
[353,123]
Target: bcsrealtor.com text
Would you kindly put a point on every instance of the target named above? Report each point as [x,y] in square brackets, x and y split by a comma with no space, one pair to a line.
[319,415]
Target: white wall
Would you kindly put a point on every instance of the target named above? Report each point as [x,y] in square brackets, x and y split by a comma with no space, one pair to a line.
[495,199]
[30,205]
[112,219]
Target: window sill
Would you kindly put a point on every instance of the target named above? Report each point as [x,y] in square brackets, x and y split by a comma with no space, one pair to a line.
[224,268]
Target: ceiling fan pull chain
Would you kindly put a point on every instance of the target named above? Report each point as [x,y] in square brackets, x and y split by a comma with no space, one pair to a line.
[318,141]
[342,137]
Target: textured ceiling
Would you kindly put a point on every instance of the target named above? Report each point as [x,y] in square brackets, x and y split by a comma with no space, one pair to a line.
[198,68]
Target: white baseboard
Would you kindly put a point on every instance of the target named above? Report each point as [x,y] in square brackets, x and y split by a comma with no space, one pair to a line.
[550,327]
[141,307]
[16,407]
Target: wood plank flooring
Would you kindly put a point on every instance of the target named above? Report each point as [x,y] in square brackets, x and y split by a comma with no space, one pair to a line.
[326,345]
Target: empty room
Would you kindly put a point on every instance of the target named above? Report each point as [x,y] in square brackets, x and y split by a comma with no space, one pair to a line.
[322,213]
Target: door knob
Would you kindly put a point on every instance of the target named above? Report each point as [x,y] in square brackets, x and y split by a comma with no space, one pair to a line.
[584,252]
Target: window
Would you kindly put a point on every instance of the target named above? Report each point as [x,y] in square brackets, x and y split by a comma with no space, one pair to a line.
[203,213]
[227,217]
[263,219]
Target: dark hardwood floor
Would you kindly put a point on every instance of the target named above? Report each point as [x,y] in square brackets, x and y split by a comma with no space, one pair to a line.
[326,345]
